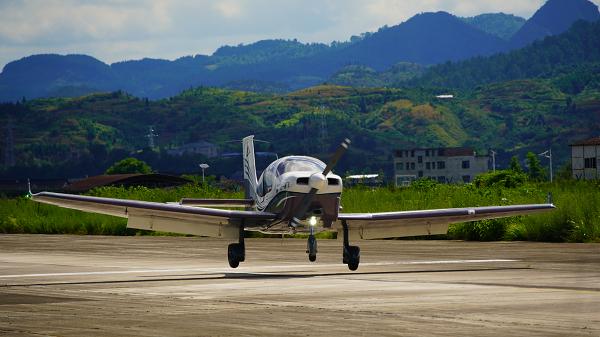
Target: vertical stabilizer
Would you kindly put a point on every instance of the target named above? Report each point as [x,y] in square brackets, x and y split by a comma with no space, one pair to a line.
[249,167]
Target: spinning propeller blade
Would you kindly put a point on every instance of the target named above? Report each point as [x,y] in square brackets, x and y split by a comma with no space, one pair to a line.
[303,208]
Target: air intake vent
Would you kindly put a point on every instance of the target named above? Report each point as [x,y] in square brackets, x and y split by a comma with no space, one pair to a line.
[333,181]
[302,181]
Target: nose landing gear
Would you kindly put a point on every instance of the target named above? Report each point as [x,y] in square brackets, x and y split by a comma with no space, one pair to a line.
[311,245]
[311,248]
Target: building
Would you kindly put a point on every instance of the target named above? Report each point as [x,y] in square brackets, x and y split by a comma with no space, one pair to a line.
[153,180]
[201,147]
[445,165]
[585,157]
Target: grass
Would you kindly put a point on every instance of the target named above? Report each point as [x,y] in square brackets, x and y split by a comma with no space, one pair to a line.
[576,219]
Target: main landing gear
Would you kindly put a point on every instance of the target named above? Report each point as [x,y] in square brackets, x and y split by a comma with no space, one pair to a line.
[236,252]
[351,253]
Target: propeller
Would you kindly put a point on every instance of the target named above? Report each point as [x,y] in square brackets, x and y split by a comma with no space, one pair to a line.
[319,180]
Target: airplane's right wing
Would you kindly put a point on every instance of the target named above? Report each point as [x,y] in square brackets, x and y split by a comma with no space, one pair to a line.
[162,217]
[426,222]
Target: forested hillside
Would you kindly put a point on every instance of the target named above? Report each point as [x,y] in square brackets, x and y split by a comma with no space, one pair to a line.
[83,136]
[575,50]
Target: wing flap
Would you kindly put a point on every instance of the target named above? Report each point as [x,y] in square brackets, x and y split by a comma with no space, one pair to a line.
[206,226]
[427,222]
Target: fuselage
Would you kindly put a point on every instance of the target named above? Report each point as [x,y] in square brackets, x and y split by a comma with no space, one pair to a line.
[283,185]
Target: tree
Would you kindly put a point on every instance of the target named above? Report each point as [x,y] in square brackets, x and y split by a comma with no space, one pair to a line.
[129,165]
[514,165]
[536,171]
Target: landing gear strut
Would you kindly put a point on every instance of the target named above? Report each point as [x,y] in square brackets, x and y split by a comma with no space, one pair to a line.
[236,252]
[351,253]
[311,246]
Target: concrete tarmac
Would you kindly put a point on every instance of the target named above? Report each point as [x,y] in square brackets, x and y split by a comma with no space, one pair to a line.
[176,286]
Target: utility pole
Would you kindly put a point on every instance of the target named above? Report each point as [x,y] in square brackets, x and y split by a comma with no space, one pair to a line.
[548,154]
[493,160]
[151,136]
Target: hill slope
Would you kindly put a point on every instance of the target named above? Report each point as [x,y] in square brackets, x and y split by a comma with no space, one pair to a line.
[501,25]
[578,47]
[554,17]
[79,136]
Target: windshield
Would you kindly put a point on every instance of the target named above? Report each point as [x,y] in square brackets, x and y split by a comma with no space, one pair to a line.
[302,164]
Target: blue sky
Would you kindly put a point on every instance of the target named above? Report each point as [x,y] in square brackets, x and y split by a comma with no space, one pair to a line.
[115,30]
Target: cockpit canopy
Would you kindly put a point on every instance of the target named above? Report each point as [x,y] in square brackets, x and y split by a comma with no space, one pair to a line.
[285,165]
[302,164]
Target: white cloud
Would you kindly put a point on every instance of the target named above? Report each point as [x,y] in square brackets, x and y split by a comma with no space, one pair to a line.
[114,30]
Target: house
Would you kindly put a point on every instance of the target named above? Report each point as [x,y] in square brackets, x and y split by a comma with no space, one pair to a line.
[445,165]
[201,147]
[153,180]
[585,157]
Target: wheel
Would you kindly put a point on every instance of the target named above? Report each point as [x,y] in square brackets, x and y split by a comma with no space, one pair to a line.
[234,263]
[235,254]
[352,257]
[353,265]
[312,257]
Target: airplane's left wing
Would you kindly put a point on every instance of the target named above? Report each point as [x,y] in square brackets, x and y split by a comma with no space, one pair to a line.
[426,222]
[156,216]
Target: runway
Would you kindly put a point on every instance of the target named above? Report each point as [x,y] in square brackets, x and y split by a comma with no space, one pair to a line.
[182,286]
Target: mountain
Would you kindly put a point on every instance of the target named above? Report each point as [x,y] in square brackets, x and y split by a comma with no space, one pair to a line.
[577,48]
[287,65]
[554,17]
[501,25]
[427,38]
[44,75]
[272,64]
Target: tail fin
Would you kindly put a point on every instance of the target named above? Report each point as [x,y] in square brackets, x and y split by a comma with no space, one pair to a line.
[249,167]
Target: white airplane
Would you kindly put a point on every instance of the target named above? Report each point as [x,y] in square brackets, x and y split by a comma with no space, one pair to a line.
[294,194]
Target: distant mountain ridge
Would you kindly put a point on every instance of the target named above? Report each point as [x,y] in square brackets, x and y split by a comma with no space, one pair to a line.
[554,17]
[501,25]
[284,65]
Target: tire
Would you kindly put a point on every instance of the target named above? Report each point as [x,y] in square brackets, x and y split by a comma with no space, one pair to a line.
[312,258]
[353,265]
[234,263]
[234,255]
[352,258]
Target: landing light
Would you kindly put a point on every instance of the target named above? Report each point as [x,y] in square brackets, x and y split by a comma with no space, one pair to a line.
[312,221]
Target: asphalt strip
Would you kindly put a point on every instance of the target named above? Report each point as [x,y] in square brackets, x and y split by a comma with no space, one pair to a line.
[250,268]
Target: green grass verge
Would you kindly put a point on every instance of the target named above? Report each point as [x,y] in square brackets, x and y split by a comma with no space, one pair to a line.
[577,218]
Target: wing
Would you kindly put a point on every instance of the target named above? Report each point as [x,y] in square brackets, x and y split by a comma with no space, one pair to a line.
[163,217]
[217,202]
[426,222]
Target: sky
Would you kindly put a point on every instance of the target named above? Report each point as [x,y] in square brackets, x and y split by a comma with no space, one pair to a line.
[117,30]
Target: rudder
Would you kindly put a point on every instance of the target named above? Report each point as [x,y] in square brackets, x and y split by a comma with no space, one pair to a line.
[249,167]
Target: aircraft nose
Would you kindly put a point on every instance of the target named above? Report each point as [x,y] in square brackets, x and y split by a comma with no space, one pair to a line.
[317,181]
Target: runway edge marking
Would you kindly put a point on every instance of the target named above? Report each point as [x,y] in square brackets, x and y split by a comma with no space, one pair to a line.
[246,269]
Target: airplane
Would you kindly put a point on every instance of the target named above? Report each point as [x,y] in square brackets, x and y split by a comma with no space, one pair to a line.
[294,194]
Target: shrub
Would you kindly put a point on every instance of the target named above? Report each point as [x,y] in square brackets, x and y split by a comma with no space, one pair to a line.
[129,165]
